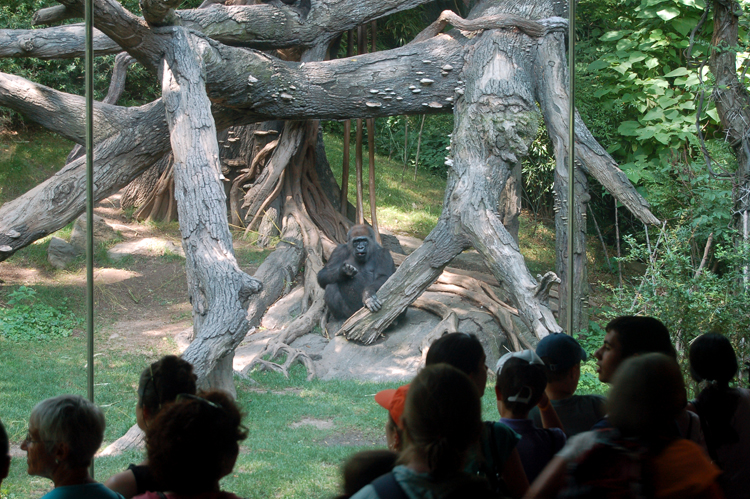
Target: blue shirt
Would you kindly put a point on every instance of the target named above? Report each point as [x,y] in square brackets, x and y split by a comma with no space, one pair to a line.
[537,446]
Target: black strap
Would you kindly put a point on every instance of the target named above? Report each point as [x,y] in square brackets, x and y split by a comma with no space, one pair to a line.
[497,470]
[387,487]
[161,495]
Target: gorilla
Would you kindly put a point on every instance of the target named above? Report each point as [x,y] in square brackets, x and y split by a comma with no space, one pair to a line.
[355,272]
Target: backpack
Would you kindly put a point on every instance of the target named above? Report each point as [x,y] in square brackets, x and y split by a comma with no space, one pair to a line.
[387,487]
[613,468]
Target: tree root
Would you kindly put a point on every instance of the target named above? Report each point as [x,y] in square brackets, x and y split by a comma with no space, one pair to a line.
[273,351]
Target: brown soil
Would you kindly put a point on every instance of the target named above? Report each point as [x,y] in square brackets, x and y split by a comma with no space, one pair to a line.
[139,302]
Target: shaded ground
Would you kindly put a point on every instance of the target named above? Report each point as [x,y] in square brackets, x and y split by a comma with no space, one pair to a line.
[140,300]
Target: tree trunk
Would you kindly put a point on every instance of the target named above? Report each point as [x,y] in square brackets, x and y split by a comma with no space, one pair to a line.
[733,104]
[219,291]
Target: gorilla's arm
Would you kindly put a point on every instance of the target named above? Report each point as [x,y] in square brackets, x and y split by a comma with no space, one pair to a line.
[383,269]
[337,269]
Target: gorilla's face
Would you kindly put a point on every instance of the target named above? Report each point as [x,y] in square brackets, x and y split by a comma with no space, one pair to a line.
[359,248]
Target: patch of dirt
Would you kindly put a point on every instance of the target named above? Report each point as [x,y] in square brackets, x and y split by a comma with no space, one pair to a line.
[351,438]
[321,424]
[139,302]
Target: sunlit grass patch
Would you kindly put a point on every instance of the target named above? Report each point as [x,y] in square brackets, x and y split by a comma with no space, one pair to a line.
[404,205]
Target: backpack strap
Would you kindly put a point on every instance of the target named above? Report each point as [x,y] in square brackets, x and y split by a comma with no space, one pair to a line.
[387,487]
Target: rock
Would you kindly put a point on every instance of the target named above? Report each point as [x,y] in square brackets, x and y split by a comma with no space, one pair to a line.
[60,253]
[102,232]
[312,344]
[149,246]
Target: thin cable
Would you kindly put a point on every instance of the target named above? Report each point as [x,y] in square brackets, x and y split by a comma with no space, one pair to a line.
[89,63]
[570,305]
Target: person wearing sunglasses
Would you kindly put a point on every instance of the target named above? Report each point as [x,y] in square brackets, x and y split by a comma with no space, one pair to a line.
[64,433]
[159,385]
[192,444]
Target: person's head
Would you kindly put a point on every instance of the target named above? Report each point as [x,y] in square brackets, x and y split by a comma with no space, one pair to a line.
[464,352]
[647,394]
[364,467]
[712,358]
[442,419]
[160,383]
[4,453]
[64,434]
[562,356]
[194,442]
[393,401]
[630,335]
[521,381]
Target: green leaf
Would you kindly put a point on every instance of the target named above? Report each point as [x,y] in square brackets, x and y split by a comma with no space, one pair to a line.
[629,128]
[611,36]
[682,25]
[714,114]
[668,13]
[662,137]
[652,63]
[596,65]
[677,72]
[655,114]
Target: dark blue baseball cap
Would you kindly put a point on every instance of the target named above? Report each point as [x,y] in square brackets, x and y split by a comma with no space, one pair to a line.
[560,351]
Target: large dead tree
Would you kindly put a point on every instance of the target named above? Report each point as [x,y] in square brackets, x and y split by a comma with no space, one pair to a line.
[500,71]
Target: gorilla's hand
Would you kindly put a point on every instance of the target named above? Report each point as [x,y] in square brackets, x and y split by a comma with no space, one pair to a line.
[349,270]
[372,303]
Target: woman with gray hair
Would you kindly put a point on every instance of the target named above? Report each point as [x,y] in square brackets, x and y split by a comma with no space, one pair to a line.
[64,434]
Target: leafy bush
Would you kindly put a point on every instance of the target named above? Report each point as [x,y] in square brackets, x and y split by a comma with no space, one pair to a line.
[28,318]
[689,303]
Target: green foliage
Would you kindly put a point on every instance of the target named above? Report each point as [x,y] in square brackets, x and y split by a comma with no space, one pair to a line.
[434,145]
[538,172]
[689,303]
[29,318]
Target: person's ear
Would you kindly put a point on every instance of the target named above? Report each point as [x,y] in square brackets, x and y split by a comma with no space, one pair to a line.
[60,452]
[146,414]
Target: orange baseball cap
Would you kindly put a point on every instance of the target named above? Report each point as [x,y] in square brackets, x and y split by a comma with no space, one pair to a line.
[393,401]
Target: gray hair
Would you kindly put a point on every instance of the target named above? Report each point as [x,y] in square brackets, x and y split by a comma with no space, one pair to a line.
[73,420]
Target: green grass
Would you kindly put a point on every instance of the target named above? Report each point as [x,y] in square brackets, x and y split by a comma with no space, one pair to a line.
[404,206]
[29,159]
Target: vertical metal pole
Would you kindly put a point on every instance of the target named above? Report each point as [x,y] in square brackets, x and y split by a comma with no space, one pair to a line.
[89,63]
[571,162]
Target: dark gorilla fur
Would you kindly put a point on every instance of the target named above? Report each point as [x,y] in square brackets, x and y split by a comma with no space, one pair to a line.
[355,272]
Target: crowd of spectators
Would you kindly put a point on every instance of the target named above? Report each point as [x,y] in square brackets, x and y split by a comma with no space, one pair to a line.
[644,440]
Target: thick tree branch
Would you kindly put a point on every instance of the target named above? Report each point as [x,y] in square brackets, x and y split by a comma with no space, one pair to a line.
[127,30]
[267,26]
[551,76]
[61,42]
[63,113]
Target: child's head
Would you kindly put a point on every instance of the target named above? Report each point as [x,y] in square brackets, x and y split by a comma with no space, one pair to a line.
[647,394]
[712,358]
[364,467]
[464,352]
[562,356]
[521,380]
[393,401]
[442,419]
[160,383]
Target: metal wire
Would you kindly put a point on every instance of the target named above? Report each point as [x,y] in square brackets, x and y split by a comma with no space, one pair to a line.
[89,64]
[570,305]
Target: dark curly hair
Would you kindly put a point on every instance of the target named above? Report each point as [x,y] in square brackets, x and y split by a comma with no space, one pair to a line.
[163,380]
[442,418]
[194,442]
[640,334]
